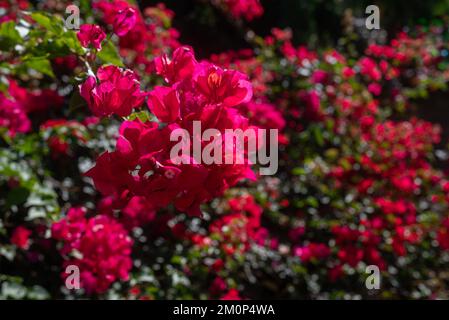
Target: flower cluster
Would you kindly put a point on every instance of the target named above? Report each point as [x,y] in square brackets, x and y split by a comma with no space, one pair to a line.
[94,122]
[18,102]
[61,134]
[91,34]
[246,9]
[99,246]
[13,116]
[142,165]
[117,92]
[142,36]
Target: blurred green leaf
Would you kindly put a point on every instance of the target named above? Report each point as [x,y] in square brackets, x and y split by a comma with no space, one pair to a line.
[40,64]
[9,36]
[109,54]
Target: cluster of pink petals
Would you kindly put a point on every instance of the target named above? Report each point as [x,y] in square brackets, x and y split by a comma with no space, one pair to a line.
[247,9]
[100,247]
[19,102]
[135,211]
[116,92]
[265,115]
[149,36]
[34,100]
[13,116]
[141,165]
[242,227]
[125,21]
[119,14]
[91,34]
[443,235]
[20,237]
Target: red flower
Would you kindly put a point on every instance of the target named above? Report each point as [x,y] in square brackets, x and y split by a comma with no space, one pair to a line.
[312,251]
[247,9]
[232,294]
[142,165]
[20,237]
[443,235]
[117,92]
[91,34]
[179,67]
[124,21]
[103,245]
[58,146]
[164,103]
[222,86]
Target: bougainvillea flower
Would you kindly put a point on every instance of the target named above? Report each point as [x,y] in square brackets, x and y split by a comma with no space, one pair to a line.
[117,92]
[13,116]
[20,237]
[109,175]
[37,100]
[104,248]
[164,103]
[124,21]
[222,86]
[180,66]
[91,34]
[247,9]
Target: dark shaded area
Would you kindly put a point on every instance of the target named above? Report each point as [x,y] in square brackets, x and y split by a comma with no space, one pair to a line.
[435,109]
[317,23]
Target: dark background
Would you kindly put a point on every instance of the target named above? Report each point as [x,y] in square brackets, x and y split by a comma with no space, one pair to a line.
[317,23]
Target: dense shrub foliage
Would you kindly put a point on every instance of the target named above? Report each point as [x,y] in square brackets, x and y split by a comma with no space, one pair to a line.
[86,177]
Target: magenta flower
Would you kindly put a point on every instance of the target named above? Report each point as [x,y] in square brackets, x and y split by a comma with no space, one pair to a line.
[124,21]
[117,92]
[164,103]
[91,34]
[179,67]
[20,237]
[221,86]
[104,248]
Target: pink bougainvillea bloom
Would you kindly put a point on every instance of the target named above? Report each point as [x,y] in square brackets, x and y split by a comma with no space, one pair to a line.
[124,21]
[375,88]
[13,116]
[20,237]
[180,66]
[164,103]
[141,165]
[232,294]
[58,146]
[104,248]
[228,87]
[247,9]
[312,251]
[117,92]
[109,174]
[36,100]
[319,76]
[91,34]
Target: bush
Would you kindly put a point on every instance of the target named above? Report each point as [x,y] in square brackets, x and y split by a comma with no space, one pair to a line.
[87,178]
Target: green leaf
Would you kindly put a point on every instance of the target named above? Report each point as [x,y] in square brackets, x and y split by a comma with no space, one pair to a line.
[4,84]
[298,171]
[9,36]
[318,135]
[17,196]
[109,54]
[51,23]
[142,115]
[40,64]
[72,42]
